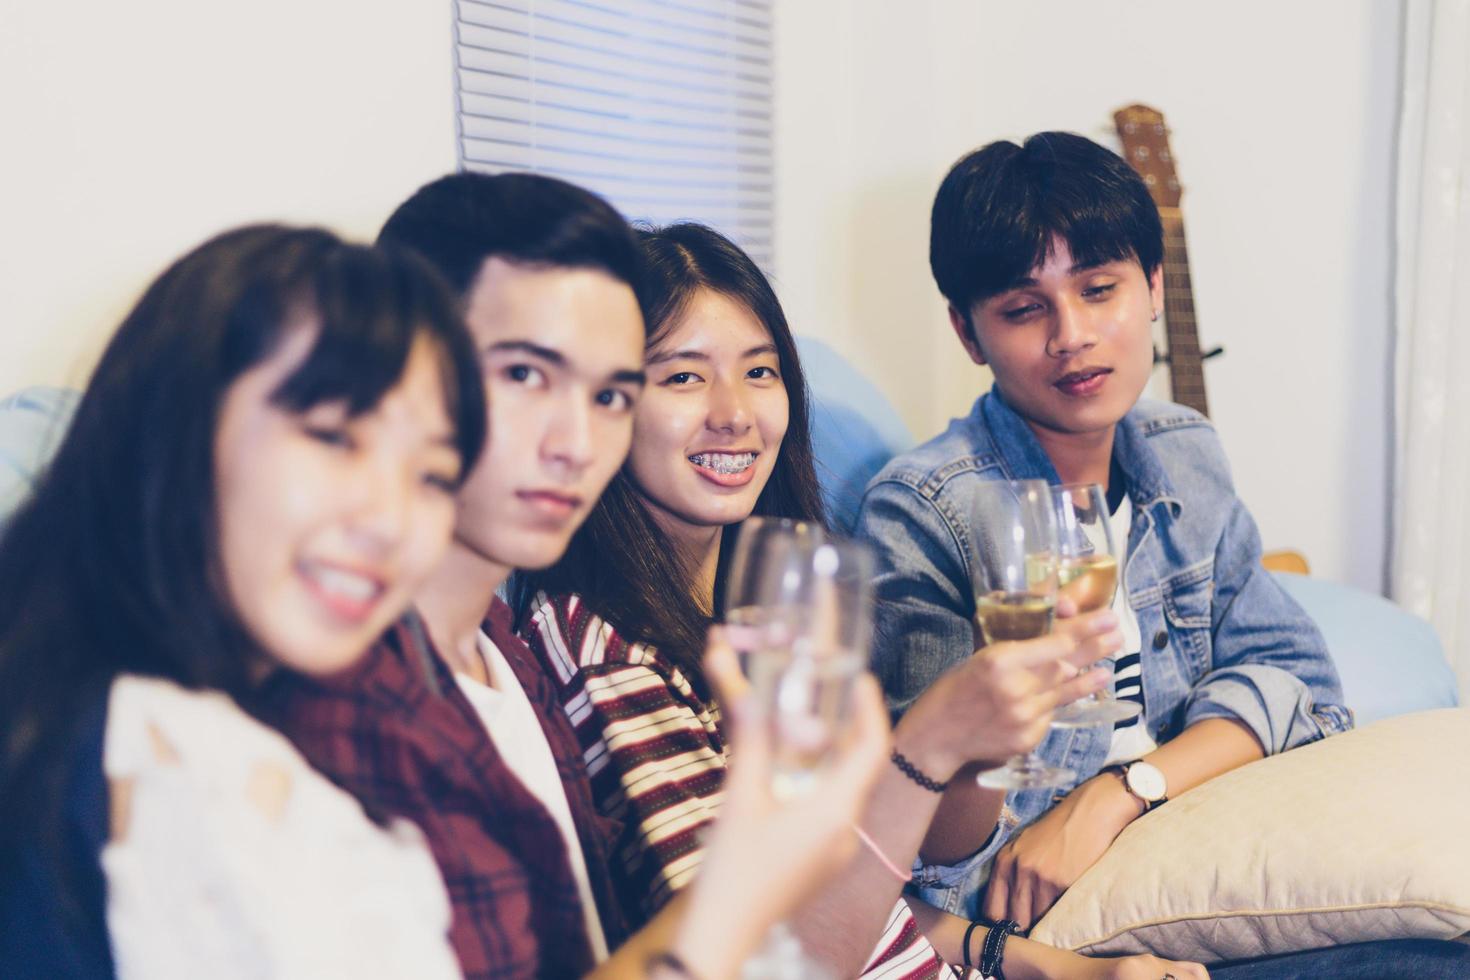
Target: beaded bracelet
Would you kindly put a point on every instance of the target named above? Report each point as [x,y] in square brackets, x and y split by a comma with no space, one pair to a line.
[913,772]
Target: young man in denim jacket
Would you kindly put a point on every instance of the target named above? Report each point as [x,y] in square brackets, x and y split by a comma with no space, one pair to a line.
[1050,255]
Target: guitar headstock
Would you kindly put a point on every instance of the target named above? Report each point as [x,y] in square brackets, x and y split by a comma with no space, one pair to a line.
[1146,146]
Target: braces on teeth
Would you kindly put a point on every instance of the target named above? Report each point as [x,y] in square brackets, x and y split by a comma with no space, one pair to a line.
[723,462]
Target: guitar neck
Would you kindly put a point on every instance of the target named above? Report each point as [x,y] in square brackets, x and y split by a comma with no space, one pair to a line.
[1186,370]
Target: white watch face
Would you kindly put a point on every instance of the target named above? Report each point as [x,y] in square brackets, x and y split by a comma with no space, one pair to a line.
[1146,782]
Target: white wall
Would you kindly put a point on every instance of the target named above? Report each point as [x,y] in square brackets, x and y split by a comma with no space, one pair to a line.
[133,130]
[1283,125]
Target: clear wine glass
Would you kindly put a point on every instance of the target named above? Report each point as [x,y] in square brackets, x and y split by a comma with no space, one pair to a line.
[817,607]
[1013,534]
[756,612]
[1089,569]
[800,605]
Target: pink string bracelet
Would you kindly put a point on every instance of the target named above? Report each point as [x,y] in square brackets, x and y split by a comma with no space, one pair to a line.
[878,853]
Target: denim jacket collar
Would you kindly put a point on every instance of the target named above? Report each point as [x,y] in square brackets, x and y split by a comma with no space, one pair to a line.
[1021,457]
[1148,483]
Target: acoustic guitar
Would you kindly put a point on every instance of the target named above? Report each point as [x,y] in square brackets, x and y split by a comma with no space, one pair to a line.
[1146,147]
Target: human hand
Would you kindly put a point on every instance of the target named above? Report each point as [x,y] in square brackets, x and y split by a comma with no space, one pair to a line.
[1033,869]
[998,702]
[764,855]
[1136,968]
[1027,959]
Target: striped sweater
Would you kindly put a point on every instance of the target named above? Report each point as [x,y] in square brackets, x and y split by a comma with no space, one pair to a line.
[656,754]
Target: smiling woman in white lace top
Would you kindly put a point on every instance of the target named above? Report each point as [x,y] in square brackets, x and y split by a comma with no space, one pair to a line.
[259,477]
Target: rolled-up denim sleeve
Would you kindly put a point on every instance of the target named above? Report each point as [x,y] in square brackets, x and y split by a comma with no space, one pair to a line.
[1270,667]
[956,888]
[922,592]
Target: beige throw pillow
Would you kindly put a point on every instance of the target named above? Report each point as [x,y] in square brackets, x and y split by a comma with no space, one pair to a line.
[1358,837]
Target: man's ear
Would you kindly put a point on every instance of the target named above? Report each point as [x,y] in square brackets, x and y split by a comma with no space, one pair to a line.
[960,324]
[1156,289]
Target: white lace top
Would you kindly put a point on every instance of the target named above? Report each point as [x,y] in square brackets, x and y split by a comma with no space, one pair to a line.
[231,857]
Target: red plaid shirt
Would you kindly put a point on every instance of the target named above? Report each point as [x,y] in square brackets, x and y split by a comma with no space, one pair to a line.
[398,734]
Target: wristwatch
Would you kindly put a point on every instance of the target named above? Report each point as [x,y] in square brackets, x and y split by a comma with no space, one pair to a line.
[1144,781]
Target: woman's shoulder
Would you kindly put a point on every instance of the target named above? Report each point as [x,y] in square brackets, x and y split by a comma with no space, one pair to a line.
[203,747]
[203,751]
[589,661]
[572,638]
[221,804]
[152,721]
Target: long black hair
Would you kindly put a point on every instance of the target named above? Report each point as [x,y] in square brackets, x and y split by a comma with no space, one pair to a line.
[113,564]
[622,564]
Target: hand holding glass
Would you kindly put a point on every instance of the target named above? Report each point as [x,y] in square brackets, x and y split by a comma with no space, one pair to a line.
[1013,539]
[1088,566]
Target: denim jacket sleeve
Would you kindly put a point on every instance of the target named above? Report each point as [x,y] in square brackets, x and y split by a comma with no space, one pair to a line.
[923,607]
[1269,665]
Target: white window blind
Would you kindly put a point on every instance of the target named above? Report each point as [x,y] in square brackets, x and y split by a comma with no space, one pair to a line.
[661,106]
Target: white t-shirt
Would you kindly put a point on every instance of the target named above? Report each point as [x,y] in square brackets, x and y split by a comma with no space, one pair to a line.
[510,719]
[1131,740]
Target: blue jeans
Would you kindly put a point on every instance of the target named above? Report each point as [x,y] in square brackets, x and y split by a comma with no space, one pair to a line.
[1389,959]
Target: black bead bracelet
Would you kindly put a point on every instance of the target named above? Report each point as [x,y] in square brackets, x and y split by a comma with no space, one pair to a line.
[912,771]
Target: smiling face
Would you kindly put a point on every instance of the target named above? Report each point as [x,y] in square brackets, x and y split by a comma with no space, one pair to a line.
[708,430]
[1071,348]
[561,351]
[329,523]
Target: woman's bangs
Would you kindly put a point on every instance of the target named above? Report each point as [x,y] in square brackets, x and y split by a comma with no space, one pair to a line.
[371,305]
[365,330]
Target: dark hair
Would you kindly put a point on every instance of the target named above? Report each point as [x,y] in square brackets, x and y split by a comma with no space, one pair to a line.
[113,564]
[620,561]
[998,210]
[459,221]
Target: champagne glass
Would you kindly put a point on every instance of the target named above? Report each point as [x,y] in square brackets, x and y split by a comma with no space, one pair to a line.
[1088,567]
[817,608]
[755,611]
[806,603]
[1013,535]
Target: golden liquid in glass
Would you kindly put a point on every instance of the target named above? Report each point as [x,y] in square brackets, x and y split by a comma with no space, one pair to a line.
[1089,581]
[1013,615]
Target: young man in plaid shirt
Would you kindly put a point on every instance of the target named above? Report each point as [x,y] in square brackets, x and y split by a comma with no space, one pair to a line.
[455,726]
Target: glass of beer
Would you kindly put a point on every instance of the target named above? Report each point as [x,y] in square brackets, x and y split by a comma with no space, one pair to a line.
[1089,571]
[1013,537]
